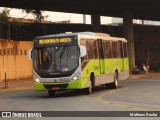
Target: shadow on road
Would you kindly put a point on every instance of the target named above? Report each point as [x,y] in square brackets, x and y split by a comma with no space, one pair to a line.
[74,93]
[31,94]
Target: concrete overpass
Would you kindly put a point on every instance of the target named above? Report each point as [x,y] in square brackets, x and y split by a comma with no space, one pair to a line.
[141,9]
[127,9]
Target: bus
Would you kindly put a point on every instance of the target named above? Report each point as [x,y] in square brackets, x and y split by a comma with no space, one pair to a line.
[74,61]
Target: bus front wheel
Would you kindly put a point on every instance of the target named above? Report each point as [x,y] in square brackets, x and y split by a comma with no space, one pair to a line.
[89,89]
[51,93]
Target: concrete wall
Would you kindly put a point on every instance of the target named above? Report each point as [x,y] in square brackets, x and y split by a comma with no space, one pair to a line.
[14,59]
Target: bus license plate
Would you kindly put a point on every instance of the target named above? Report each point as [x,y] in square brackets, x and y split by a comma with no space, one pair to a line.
[56,88]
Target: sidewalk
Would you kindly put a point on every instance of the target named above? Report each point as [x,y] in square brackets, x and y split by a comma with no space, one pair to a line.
[27,84]
[145,75]
[17,85]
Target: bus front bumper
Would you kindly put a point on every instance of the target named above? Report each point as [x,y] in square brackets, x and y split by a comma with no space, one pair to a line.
[77,84]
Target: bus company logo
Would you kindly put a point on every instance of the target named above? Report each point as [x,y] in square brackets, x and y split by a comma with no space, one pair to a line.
[21,114]
[6,114]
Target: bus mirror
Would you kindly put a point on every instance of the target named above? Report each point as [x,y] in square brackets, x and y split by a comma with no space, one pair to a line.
[82,51]
[30,54]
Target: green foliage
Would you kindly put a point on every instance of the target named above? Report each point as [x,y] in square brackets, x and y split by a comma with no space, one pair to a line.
[4,17]
[37,13]
[17,22]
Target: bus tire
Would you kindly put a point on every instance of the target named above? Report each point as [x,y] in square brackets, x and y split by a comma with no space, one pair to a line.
[89,89]
[113,85]
[51,93]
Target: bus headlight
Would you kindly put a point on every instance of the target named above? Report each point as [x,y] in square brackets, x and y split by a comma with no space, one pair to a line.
[36,80]
[76,77]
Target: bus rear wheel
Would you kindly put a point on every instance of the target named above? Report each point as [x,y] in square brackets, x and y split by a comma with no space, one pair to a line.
[51,93]
[113,85]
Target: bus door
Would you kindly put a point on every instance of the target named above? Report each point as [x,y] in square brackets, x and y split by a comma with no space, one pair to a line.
[121,54]
[101,56]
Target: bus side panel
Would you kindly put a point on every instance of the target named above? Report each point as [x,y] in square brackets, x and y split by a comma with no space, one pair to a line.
[126,64]
[116,65]
[89,67]
[108,66]
[125,73]
[96,67]
[92,66]
[108,71]
[77,84]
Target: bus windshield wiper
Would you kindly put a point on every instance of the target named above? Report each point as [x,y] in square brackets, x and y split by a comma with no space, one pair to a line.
[63,51]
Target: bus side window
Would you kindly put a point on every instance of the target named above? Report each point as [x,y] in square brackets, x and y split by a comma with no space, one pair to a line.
[90,54]
[83,43]
[95,50]
[121,51]
[114,50]
[100,48]
[108,49]
[118,49]
[104,50]
[125,50]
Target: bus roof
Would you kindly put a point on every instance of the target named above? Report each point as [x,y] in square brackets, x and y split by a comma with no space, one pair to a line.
[73,34]
[85,35]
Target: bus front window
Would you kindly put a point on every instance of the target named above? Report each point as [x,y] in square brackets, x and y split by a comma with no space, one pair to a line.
[56,60]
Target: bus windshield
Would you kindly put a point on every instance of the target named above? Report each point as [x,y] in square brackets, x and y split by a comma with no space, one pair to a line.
[54,60]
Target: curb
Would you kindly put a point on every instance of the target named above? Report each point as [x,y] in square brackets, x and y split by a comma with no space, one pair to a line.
[9,90]
[17,85]
[148,75]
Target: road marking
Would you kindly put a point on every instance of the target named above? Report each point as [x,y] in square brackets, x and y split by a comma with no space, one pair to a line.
[100,100]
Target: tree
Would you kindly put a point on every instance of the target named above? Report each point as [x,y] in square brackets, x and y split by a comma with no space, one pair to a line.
[37,13]
[4,16]
[3,20]
[6,23]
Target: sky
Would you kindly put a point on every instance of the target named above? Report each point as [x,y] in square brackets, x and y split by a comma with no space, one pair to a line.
[57,16]
[74,18]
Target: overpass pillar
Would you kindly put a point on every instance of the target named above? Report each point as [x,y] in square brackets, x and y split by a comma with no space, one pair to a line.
[96,23]
[129,35]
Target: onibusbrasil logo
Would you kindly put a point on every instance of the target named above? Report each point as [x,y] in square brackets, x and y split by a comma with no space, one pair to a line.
[21,114]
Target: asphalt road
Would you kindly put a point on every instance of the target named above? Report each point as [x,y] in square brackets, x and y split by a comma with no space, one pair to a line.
[132,95]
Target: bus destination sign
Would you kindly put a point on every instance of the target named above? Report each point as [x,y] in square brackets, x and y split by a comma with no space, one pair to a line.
[54,40]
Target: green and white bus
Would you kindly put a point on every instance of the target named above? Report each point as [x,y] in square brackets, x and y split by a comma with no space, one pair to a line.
[81,60]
